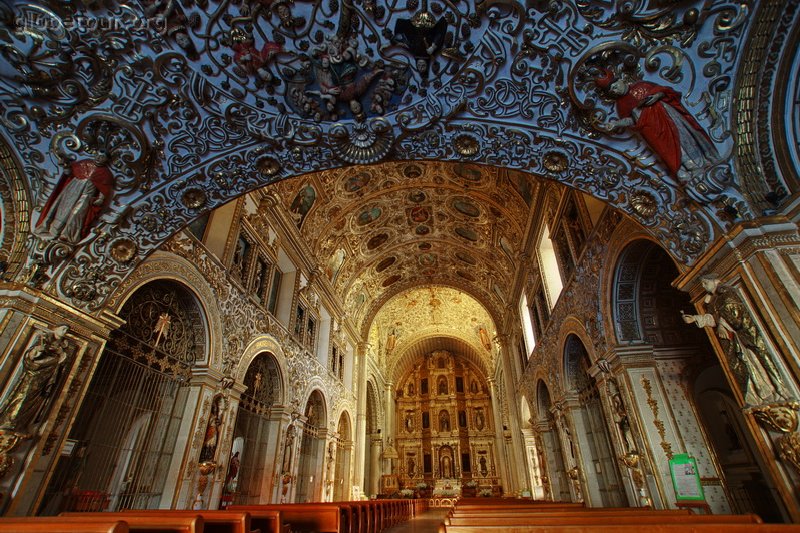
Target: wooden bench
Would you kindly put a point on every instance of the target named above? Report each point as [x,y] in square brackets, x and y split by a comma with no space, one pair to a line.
[687,527]
[152,522]
[214,521]
[61,524]
[317,517]
[490,524]
[265,520]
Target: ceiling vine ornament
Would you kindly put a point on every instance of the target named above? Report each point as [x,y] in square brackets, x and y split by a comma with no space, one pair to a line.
[200,101]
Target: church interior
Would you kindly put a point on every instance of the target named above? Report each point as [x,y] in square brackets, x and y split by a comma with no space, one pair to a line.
[272,251]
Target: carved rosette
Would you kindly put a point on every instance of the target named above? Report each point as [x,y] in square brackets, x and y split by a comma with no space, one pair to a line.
[781,418]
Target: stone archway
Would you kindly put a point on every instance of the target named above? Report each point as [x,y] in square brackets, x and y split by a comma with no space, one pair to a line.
[344,452]
[126,431]
[554,483]
[597,461]
[250,477]
[312,450]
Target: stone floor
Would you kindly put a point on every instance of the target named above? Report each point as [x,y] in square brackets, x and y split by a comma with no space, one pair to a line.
[427,522]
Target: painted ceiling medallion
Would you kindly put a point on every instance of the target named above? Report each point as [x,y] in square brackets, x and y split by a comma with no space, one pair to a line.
[468,172]
[413,171]
[417,197]
[644,203]
[466,145]
[268,166]
[385,263]
[555,162]
[123,250]
[466,258]
[467,233]
[362,143]
[194,198]
[377,241]
[465,206]
[368,216]
[357,181]
[391,280]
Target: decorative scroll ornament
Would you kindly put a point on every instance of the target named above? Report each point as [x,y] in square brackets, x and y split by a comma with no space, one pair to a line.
[782,418]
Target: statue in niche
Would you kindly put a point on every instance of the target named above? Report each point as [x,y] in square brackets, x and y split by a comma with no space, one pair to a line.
[42,365]
[748,357]
[211,439]
[444,421]
[391,341]
[442,386]
[447,467]
[479,419]
[80,196]
[623,422]
[409,422]
[411,389]
[483,468]
[288,449]
[473,387]
[658,114]
[412,466]
[232,479]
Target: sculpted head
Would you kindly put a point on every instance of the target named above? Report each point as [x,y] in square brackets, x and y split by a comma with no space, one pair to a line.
[710,283]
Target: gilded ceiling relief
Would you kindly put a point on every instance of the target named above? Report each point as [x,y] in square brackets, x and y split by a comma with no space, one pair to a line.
[427,312]
[397,225]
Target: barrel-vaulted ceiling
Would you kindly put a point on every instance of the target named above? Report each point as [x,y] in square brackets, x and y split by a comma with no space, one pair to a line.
[420,321]
[379,230]
[196,102]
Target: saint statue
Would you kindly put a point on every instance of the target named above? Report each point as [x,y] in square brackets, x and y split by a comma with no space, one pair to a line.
[42,366]
[211,439]
[232,479]
[748,357]
[658,114]
[623,423]
[80,196]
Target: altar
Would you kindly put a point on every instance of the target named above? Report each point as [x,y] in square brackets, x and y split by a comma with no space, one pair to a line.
[445,488]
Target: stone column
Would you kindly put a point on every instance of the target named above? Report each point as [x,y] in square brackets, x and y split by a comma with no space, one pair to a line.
[66,344]
[361,448]
[391,408]
[499,436]
[757,272]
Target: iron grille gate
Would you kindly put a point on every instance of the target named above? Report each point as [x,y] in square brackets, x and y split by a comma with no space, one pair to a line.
[254,429]
[122,443]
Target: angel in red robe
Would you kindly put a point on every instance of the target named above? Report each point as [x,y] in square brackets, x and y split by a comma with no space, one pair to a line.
[658,114]
[79,198]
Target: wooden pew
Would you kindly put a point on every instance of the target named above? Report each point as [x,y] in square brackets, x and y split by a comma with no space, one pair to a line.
[265,520]
[214,521]
[317,517]
[61,524]
[156,521]
[490,524]
[687,527]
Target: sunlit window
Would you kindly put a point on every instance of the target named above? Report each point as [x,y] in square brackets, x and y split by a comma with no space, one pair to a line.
[549,265]
[527,327]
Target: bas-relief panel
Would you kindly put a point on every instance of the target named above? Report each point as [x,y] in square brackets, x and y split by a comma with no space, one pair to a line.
[680,399]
